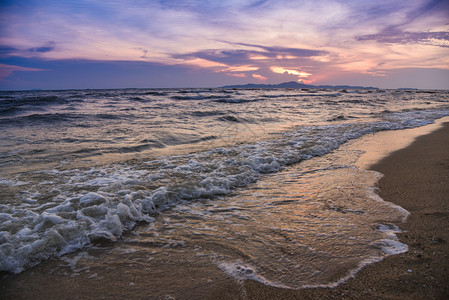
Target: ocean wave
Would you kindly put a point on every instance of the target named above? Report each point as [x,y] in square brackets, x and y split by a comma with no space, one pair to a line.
[236,100]
[51,212]
[332,95]
[76,207]
[200,97]
[230,118]
[155,93]
[139,99]
[105,116]
[34,119]
[208,113]
[338,118]
[11,105]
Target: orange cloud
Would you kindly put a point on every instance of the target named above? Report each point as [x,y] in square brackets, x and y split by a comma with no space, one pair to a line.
[237,74]
[258,57]
[242,69]
[286,56]
[204,63]
[260,77]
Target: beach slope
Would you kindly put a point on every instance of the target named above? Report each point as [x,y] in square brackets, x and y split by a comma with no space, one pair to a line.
[416,178]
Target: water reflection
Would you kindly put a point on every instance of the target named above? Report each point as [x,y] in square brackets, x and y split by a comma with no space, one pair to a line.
[309,225]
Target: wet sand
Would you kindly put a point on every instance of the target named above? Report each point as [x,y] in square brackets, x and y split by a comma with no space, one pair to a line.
[416,178]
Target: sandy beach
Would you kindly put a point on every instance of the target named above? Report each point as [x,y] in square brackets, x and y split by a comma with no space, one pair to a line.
[416,178]
[227,150]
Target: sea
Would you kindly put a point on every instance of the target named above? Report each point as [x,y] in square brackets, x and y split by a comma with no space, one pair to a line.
[252,184]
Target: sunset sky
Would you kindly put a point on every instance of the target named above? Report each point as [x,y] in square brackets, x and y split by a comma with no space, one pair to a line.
[57,44]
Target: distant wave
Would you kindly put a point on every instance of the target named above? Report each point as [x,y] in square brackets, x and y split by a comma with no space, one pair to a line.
[200,97]
[236,100]
[11,105]
[34,119]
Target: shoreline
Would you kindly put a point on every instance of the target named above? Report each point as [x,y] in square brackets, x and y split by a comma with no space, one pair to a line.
[414,174]
[417,179]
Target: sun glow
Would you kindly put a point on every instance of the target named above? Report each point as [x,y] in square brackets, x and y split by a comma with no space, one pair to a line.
[281,70]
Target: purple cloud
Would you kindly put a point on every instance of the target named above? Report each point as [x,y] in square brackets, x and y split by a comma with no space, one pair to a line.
[7,50]
[431,7]
[395,34]
[434,38]
[286,51]
[243,57]
[50,46]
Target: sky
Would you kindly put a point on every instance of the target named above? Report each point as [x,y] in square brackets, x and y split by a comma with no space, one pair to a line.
[68,44]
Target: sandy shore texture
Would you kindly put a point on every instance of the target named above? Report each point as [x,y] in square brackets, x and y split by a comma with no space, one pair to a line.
[416,178]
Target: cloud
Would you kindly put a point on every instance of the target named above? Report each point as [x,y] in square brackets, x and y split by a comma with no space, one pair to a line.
[234,38]
[440,39]
[405,25]
[244,62]
[50,46]
[245,56]
[282,70]
[259,77]
[430,8]
[223,56]
[277,50]
[6,70]
[7,50]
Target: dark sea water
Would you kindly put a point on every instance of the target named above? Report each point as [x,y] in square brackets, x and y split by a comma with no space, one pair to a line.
[250,181]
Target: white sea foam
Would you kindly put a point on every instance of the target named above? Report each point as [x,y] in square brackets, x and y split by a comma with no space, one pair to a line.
[351,274]
[72,208]
[390,244]
[12,182]
[241,271]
